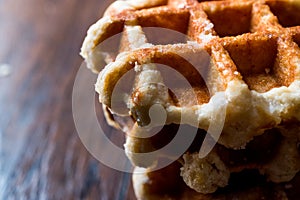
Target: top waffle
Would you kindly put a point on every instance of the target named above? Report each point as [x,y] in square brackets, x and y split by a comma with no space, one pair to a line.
[255,56]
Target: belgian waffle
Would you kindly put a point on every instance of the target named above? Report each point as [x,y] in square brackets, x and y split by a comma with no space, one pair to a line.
[254,63]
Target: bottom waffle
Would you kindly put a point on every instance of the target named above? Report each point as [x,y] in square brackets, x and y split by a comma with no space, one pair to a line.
[274,154]
[266,168]
[166,184]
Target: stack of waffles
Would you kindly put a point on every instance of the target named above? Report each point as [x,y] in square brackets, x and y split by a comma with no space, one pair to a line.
[241,60]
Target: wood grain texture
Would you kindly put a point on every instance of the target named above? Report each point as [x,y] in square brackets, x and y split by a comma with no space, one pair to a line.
[41,154]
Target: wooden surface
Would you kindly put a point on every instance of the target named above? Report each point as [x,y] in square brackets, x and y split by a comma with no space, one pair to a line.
[41,154]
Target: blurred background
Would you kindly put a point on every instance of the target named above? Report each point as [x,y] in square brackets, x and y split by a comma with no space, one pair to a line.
[41,155]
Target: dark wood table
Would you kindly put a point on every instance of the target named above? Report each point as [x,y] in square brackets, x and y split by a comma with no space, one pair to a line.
[41,155]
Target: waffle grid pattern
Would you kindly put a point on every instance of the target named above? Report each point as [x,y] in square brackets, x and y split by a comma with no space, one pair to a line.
[253,55]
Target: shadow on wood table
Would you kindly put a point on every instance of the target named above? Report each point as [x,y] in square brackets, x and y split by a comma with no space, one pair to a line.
[42,156]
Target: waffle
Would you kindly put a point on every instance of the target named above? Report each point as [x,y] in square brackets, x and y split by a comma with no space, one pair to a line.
[151,186]
[254,66]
